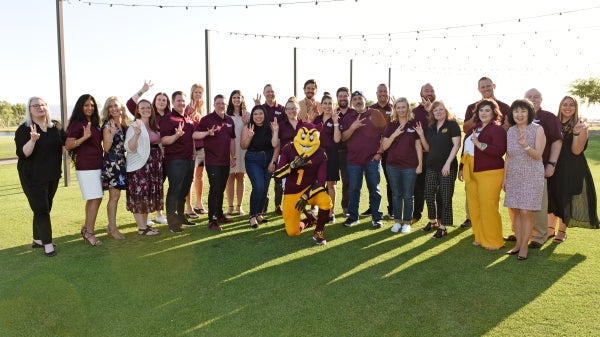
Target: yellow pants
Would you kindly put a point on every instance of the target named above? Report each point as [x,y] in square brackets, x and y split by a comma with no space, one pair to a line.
[291,216]
[483,196]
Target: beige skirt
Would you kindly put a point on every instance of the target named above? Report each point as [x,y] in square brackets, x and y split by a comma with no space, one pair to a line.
[90,184]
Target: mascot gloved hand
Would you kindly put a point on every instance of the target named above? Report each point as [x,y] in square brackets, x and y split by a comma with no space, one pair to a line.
[304,165]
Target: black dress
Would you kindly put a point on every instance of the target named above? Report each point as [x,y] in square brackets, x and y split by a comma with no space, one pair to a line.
[571,191]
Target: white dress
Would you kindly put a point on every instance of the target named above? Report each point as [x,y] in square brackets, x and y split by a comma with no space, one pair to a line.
[240,166]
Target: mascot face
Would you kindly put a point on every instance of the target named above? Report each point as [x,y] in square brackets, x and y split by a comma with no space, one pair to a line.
[307,141]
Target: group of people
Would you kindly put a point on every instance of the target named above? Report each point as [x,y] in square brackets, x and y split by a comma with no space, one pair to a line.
[307,146]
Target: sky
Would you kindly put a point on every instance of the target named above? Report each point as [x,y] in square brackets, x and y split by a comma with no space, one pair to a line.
[110,51]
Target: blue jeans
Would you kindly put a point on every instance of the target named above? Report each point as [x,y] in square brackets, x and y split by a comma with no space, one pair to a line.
[180,173]
[257,169]
[402,182]
[355,176]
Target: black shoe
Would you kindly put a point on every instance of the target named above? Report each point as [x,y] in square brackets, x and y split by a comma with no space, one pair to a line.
[37,245]
[510,238]
[439,233]
[51,254]
[429,226]
[189,224]
[534,245]
[366,213]
[278,210]
[466,224]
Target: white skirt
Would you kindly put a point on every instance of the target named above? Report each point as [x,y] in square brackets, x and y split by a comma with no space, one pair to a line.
[90,184]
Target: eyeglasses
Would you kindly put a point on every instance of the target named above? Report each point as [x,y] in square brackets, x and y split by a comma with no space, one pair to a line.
[39,105]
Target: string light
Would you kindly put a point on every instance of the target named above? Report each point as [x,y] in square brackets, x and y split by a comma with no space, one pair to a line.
[188,6]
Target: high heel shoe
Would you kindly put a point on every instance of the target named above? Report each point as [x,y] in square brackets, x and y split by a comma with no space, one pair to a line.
[439,233]
[240,211]
[560,240]
[89,237]
[553,232]
[430,225]
[521,258]
[512,252]
[115,234]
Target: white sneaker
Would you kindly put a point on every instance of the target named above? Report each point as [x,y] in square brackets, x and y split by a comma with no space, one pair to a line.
[405,228]
[396,227]
[160,219]
[149,222]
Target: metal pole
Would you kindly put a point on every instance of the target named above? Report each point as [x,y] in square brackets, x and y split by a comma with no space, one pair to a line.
[62,80]
[351,61]
[295,73]
[390,79]
[207,57]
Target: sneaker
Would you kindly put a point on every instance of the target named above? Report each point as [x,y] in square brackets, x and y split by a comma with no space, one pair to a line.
[176,230]
[214,225]
[319,238]
[160,219]
[405,228]
[466,224]
[396,228]
[188,224]
[149,222]
[377,224]
[366,213]
[350,222]
[331,219]
[224,219]
[278,210]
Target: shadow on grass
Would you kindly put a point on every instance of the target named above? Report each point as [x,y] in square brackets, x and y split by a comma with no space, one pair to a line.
[262,283]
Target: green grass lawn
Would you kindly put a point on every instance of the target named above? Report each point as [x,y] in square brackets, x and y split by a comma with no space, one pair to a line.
[7,147]
[244,282]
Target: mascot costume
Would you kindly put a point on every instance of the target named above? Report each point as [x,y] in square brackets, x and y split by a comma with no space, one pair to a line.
[304,165]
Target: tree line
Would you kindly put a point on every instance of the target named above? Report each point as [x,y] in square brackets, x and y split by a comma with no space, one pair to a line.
[11,115]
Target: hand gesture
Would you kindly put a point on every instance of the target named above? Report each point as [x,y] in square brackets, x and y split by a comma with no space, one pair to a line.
[399,130]
[522,139]
[245,117]
[136,128]
[257,99]
[87,131]
[33,133]
[147,85]
[211,131]
[426,103]
[250,130]
[335,117]
[179,130]
[580,126]
[275,126]
[357,123]
[112,128]
[301,204]
[299,161]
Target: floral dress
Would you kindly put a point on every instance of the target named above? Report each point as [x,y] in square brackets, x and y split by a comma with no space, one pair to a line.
[114,172]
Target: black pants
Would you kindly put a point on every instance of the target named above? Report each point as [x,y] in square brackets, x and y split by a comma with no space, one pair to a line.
[419,194]
[217,180]
[40,196]
[180,173]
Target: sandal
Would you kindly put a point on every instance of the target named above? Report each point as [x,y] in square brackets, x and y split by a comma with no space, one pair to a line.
[240,211]
[230,212]
[90,237]
[253,224]
[560,240]
[148,231]
[191,215]
[200,210]
[553,232]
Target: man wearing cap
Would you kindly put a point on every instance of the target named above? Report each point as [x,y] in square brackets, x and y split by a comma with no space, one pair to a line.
[362,130]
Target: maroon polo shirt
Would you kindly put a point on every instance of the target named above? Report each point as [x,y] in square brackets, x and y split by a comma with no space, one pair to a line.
[504,109]
[299,179]
[275,111]
[287,132]
[402,153]
[183,147]
[421,115]
[326,133]
[89,153]
[552,129]
[364,142]
[342,145]
[386,110]
[217,148]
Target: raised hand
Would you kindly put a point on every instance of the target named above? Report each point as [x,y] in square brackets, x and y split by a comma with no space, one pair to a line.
[179,130]
[112,128]
[136,127]
[147,85]
[275,125]
[335,116]
[87,130]
[211,131]
[257,99]
[522,139]
[245,117]
[426,103]
[357,123]
[250,130]
[580,126]
[33,133]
